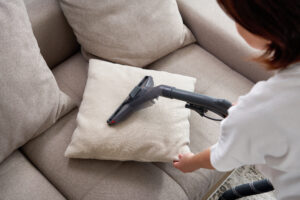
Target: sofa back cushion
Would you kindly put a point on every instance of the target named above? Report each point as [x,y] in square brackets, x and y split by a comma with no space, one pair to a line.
[30,98]
[54,35]
[131,32]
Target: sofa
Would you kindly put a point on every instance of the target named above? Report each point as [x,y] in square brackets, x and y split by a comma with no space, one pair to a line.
[220,61]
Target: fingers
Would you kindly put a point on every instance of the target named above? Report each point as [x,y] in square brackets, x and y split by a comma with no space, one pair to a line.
[184,163]
[179,158]
[176,162]
[180,167]
[177,165]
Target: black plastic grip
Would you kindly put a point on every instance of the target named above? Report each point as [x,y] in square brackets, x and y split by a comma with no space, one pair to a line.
[218,106]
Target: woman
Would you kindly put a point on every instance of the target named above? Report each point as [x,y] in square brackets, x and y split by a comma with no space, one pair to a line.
[263,128]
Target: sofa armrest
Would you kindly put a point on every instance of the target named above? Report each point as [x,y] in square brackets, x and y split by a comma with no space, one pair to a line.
[216,32]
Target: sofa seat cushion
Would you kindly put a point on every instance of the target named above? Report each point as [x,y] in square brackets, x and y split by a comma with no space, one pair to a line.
[89,179]
[96,179]
[20,180]
[71,76]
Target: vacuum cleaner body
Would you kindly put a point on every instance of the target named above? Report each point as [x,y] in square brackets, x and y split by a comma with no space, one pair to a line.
[145,92]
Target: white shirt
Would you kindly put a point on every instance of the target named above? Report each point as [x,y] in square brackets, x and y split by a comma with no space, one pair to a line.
[264,129]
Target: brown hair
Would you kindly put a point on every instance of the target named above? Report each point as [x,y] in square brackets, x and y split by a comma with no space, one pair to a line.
[275,20]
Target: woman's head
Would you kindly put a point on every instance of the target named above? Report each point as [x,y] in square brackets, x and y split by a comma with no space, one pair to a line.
[272,25]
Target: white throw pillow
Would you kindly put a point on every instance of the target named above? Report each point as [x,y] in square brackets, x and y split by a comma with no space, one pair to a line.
[157,133]
[131,32]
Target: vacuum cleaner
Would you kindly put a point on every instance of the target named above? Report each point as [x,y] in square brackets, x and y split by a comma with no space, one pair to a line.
[145,92]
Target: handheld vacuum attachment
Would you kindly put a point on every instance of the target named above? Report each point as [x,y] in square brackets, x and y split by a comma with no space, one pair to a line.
[144,92]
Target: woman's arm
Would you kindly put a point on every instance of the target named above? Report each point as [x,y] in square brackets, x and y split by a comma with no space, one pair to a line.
[190,162]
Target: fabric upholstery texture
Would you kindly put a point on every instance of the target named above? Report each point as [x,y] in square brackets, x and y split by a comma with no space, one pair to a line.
[76,177]
[97,179]
[215,79]
[30,98]
[71,78]
[123,32]
[53,33]
[84,179]
[216,33]
[158,133]
[20,180]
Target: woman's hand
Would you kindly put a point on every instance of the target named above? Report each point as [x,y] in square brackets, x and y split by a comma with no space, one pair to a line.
[185,163]
[189,162]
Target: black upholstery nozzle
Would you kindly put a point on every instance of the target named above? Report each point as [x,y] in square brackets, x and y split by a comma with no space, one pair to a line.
[128,106]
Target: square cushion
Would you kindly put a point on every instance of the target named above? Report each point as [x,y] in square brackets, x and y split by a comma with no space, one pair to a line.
[157,133]
[131,32]
[30,98]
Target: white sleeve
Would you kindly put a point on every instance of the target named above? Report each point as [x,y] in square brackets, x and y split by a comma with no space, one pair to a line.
[249,134]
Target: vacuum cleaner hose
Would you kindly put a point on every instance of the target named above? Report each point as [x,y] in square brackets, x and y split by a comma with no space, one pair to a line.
[247,189]
[218,106]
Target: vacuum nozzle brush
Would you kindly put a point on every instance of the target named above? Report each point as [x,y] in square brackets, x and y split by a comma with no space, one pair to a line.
[129,105]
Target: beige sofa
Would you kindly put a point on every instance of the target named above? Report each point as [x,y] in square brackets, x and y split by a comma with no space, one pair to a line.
[220,62]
